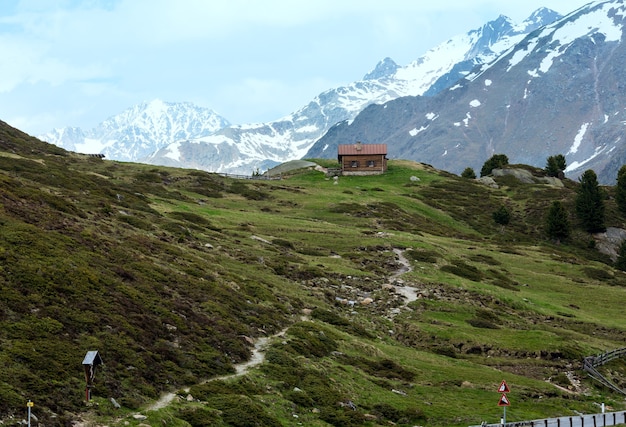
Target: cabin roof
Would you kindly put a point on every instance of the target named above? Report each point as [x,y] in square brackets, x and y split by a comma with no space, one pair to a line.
[361,149]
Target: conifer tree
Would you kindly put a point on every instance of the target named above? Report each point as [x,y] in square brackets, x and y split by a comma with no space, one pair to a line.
[468,173]
[590,203]
[620,190]
[557,222]
[555,165]
[496,161]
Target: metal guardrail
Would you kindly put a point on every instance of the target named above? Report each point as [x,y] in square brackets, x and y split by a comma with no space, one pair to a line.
[591,420]
[590,364]
[257,177]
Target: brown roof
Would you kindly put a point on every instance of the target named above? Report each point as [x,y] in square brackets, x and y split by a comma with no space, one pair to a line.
[358,149]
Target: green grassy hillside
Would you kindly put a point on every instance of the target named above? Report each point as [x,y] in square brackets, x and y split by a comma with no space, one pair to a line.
[173,274]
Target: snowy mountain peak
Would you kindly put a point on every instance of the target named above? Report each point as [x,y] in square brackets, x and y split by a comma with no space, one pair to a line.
[541,16]
[140,130]
[385,68]
[185,136]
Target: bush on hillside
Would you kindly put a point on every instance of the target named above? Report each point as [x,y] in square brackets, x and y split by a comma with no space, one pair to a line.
[468,173]
[495,162]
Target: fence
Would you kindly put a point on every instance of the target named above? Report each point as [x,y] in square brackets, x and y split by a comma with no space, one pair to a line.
[591,420]
[590,364]
[258,177]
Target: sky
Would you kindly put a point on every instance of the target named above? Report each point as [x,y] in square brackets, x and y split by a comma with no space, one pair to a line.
[79,62]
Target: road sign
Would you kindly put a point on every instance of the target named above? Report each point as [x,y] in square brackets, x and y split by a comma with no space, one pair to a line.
[30,404]
[504,401]
[504,388]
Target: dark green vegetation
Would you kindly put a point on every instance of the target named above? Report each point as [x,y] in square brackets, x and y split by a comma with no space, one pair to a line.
[171,273]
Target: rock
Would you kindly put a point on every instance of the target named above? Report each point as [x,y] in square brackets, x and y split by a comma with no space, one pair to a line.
[139,417]
[260,239]
[367,301]
[115,404]
[609,242]
[521,175]
[488,181]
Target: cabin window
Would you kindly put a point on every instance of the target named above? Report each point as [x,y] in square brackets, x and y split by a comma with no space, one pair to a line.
[371,163]
[354,164]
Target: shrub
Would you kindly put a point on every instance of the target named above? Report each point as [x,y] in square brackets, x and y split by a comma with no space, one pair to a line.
[496,161]
[311,341]
[461,269]
[198,416]
[502,215]
[241,411]
[468,173]
[420,255]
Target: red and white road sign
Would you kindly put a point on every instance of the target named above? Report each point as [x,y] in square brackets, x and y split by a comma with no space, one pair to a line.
[504,388]
[504,401]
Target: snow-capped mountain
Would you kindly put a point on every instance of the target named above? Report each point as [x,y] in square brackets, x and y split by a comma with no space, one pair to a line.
[560,90]
[247,148]
[139,131]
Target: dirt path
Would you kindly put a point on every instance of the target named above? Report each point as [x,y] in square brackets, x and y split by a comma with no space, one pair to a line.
[258,353]
[407,292]
[258,356]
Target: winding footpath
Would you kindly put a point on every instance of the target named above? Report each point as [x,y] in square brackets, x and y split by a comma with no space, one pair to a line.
[258,356]
[258,352]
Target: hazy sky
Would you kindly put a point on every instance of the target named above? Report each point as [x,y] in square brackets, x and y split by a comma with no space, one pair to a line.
[78,62]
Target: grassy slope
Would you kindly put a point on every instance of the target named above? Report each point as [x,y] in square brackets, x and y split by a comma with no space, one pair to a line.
[167,272]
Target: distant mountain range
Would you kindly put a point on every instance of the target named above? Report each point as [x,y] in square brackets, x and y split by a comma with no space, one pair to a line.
[184,135]
[561,90]
[139,131]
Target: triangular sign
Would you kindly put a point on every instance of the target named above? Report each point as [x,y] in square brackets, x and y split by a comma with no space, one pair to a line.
[504,401]
[504,388]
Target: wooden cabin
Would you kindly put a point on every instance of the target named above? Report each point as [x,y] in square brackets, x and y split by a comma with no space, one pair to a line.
[362,159]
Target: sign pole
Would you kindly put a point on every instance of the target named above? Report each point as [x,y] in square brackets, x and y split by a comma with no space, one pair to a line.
[29,405]
[504,400]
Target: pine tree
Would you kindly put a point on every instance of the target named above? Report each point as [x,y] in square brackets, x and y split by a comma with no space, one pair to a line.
[555,165]
[590,203]
[468,173]
[557,222]
[496,161]
[620,190]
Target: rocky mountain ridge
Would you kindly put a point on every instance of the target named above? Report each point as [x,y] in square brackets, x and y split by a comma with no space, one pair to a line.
[559,91]
[221,147]
[140,130]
